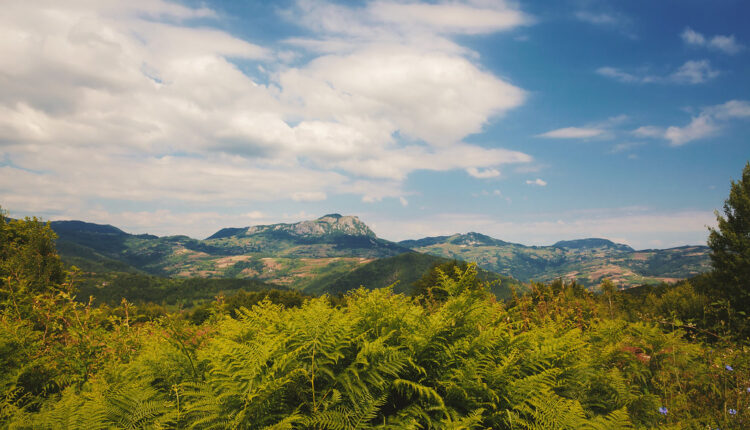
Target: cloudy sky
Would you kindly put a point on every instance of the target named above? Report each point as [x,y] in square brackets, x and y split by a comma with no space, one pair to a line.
[529,121]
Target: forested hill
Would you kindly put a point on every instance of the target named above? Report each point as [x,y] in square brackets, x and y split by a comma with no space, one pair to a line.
[587,261]
[315,253]
[294,255]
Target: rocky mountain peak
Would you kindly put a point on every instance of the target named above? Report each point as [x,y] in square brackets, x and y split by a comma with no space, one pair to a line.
[327,225]
[332,224]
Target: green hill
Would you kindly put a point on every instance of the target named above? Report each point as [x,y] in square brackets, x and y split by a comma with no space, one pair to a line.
[586,261]
[403,271]
[334,253]
[291,255]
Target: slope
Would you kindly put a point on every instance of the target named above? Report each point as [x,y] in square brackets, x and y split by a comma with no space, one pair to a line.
[586,261]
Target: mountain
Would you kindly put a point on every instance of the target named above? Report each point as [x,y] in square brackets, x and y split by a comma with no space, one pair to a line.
[292,255]
[469,239]
[592,243]
[331,235]
[335,252]
[586,261]
[326,226]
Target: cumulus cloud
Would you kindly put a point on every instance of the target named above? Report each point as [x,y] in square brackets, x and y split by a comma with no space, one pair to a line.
[432,96]
[451,17]
[131,101]
[721,43]
[380,18]
[691,72]
[709,122]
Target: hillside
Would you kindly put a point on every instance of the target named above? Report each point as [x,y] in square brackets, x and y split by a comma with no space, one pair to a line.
[404,271]
[292,255]
[587,261]
[335,252]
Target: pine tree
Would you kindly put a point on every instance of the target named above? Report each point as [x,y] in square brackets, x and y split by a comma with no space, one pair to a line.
[730,246]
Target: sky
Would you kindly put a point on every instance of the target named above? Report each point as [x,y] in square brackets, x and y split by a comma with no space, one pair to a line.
[531,122]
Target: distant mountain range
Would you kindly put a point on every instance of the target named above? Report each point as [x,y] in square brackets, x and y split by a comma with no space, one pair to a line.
[586,261]
[334,253]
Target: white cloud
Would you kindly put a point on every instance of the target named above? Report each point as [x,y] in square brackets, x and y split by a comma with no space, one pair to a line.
[725,44]
[374,191]
[700,127]
[397,163]
[451,17]
[694,72]
[692,37]
[483,174]
[378,18]
[537,182]
[128,101]
[403,201]
[691,72]
[432,96]
[311,196]
[709,122]
[572,133]
[649,131]
[617,74]
[730,110]
[601,129]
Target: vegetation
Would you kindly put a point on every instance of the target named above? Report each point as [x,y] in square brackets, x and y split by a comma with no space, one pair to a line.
[138,288]
[334,253]
[294,255]
[453,356]
[730,250]
[406,273]
[586,261]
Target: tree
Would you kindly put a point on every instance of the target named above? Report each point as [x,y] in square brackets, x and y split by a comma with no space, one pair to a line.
[448,279]
[29,263]
[730,247]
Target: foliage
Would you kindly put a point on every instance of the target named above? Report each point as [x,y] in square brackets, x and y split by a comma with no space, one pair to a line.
[111,288]
[29,263]
[557,356]
[588,260]
[730,250]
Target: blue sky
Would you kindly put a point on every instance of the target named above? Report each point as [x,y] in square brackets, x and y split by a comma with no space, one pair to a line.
[529,121]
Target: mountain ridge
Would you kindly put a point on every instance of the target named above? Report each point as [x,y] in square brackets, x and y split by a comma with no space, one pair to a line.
[586,261]
[330,224]
[296,254]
